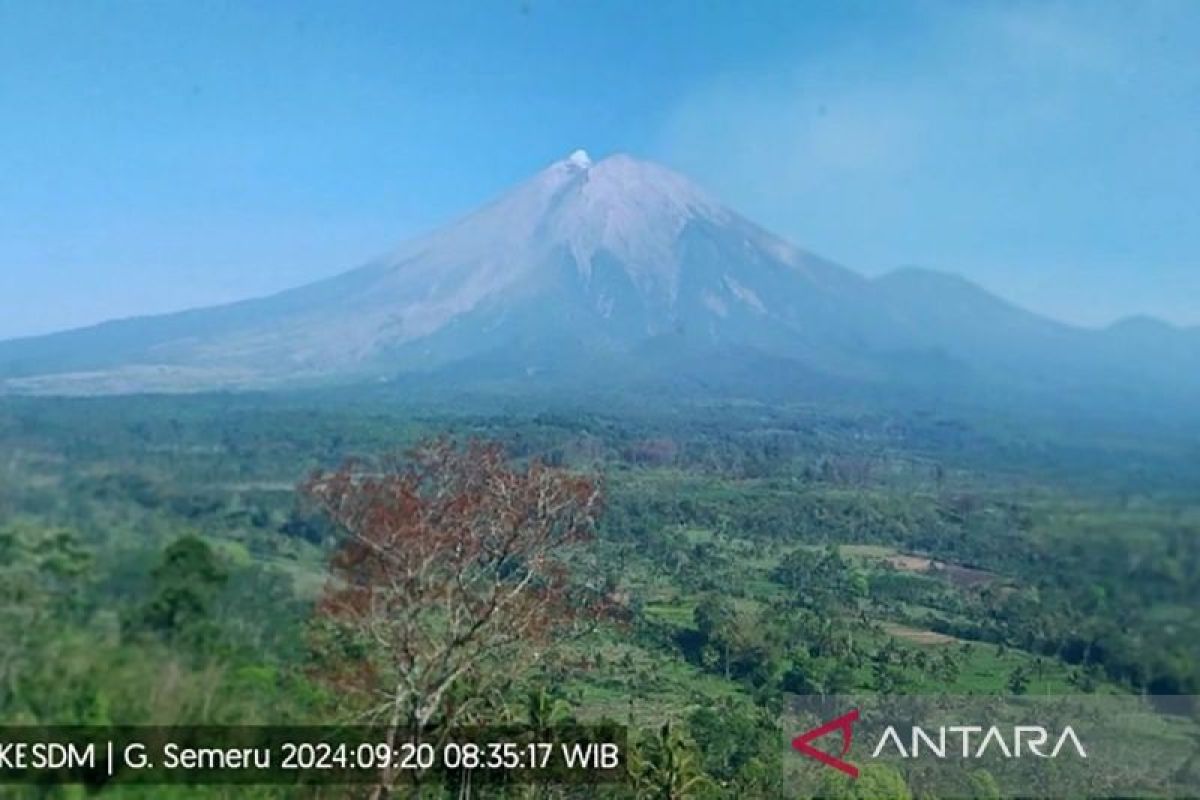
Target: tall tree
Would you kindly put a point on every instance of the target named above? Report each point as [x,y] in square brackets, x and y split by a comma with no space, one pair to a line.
[667,767]
[184,587]
[453,567]
[716,621]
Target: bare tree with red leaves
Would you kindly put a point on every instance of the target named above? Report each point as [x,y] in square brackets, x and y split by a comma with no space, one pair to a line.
[452,571]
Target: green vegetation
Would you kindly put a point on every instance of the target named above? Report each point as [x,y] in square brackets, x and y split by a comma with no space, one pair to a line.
[158,565]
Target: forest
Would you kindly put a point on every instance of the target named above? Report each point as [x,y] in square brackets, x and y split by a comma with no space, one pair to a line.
[680,572]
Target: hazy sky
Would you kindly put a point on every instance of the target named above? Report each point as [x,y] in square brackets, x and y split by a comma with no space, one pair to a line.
[162,155]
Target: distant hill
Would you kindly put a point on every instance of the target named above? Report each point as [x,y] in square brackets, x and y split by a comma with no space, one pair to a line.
[616,272]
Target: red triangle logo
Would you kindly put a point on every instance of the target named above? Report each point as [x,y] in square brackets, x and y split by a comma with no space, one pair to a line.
[845,724]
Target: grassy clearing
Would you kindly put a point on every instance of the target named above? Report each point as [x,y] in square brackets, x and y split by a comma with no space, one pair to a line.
[917,636]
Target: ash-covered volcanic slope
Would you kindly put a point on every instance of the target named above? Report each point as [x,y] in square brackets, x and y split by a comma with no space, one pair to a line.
[584,259]
[619,269]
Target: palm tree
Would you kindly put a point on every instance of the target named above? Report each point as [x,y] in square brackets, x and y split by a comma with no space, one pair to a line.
[665,768]
[545,711]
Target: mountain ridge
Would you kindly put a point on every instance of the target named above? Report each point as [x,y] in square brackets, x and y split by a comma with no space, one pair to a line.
[594,262]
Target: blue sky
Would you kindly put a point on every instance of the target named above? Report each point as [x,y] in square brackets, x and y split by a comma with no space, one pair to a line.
[163,155]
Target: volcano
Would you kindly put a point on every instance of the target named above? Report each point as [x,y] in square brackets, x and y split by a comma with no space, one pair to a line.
[612,269]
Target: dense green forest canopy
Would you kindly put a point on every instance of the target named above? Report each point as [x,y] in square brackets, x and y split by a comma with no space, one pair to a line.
[159,565]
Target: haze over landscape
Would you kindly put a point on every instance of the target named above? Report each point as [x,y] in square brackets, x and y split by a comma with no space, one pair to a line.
[613,272]
[1044,151]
